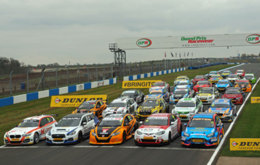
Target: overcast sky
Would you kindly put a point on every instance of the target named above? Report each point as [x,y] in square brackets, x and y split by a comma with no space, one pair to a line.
[79,31]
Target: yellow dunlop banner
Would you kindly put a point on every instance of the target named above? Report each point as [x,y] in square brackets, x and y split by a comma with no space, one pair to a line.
[255,99]
[244,144]
[138,84]
[74,100]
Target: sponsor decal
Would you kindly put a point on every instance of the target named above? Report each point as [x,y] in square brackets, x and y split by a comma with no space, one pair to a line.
[253,39]
[138,84]
[74,100]
[197,39]
[255,100]
[244,144]
[144,42]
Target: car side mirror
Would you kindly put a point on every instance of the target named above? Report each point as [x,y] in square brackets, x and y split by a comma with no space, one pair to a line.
[84,123]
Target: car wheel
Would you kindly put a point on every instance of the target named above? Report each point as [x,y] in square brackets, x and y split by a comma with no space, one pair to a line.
[80,138]
[169,138]
[36,138]
[137,144]
[124,137]
[180,130]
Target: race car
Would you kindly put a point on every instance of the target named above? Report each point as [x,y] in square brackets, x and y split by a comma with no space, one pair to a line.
[235,95]
[30,131]
[183,84]
[180,78]
[72,128]
[203,129]
[161,84]
[179,94]
[122,105]
[187,107]
[226,73]
[215,78]
[150,106]
[250,77]
[158,128]
[232,78]
[211,73]
[244,85]
[240,73]
[91,106]
[158,93]
[135,94]
[114,129]
[201,84]
[198,78]
[222,85]
[224,108]
[207,94]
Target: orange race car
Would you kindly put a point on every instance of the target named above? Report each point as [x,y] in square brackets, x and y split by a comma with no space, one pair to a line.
[114,129]
[94,106]
[244,85]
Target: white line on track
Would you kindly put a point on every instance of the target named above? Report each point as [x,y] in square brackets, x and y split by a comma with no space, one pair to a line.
[232,67]
[213,157]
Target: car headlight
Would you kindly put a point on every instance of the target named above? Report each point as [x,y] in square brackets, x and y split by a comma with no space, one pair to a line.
[139,132]
[160,133]
[49,133]
[211,134]
[6,135]
[186,134]
[116,133]
[71,133]
[29,134]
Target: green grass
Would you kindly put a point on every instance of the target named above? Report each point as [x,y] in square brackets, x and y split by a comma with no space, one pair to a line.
[248,126]
[11,115]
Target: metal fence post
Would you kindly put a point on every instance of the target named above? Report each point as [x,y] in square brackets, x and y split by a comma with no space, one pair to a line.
[56,77]
[10,83]
[78,75]
[112,71]
[27,80]
[96,72]
[67,75]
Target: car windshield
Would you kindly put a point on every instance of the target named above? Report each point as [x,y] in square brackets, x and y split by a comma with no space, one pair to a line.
[206,90]
[180,92]
[199,77]
[111,122]
[219,105]
[116,105]
[87,105]
[158,84]
[232,76]
[202,82]
[156,92]
[29,123]
[150,103]
[240,71]
[160,121]
[185,104]
[183,83]
[222,82]
[202,123]
[249,77]
[212,72]
[69,122]
[215,76]
[242,83]
[226,71]
[232,91]
[128,94]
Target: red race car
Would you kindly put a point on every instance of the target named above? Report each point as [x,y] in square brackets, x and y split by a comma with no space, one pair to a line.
[240,73]
[201,84]
[198,78]
[234,94]
[161,84]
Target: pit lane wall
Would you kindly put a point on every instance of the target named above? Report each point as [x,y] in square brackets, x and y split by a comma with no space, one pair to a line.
[57,91]
[152,74]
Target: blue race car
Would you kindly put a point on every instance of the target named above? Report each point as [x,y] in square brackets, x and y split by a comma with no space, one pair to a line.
[158,93]
[184,84]
[204,129]
[224,108]
[178,94]
[222,85]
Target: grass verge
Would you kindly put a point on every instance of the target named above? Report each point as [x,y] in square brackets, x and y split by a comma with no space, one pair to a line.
[11,115]
[248,126]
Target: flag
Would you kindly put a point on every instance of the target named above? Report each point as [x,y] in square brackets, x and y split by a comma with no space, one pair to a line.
[165,54]
[172,54]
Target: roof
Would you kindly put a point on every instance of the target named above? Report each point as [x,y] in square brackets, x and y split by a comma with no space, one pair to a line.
[121,99]
[35,117]
[247,74]
[182,77]
[218,101]
[130,91]
[115,115]
[204,115]
[75,115]
[242,81]
[223,80]
[160,115]
[187,99]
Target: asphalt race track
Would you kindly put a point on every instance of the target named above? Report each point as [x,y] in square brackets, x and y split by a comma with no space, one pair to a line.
[126,153]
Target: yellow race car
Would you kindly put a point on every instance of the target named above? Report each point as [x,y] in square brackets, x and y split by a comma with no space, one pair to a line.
[215,78]
[180,78]
[151,106]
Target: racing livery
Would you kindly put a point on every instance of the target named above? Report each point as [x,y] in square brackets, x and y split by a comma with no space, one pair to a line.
[178,94]
[183,84]
[137,95]
[93,106]
[215,78]
[222,85]
[226,73]
[198,78]
[114,129]
[235,95]
[161,84]
[180,78]
[158,128]
[71,128]
[158,93]
[30,131]
[232,78]
[204,129]
[244,85]
[240,73]
[187,107]
[207,94]
[201,84]
[224,109]
[250,77]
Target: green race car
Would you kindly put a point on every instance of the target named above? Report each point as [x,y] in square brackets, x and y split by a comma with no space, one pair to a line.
[250,77]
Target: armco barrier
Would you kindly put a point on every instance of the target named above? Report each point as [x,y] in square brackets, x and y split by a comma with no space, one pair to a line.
[57,91]
[207,65]
[152,74]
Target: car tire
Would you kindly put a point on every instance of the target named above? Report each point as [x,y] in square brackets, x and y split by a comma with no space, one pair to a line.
[169,138]
[80,137]
[124,138]
[180,130]
[36,138]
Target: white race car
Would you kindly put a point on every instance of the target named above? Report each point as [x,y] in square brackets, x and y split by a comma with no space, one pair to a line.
[30,131]
[71,129]
[158,128]
[120,106]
